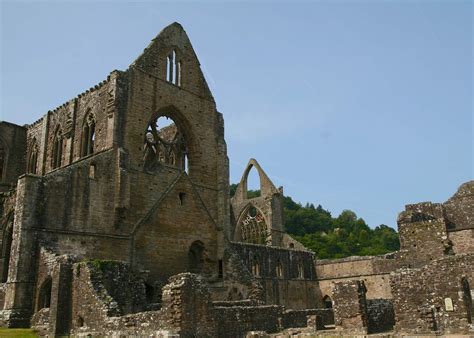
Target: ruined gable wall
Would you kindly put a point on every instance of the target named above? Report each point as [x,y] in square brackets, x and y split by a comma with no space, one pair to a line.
[192,108]
[162,242]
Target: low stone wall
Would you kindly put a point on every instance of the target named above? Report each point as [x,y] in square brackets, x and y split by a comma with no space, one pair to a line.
[299,318]
[237,321]
[380,315]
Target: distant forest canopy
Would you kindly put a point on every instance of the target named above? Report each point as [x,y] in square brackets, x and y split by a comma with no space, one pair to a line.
[333,237]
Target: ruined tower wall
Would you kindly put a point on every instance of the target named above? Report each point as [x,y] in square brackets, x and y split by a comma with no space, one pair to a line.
[463,241]
[432,298]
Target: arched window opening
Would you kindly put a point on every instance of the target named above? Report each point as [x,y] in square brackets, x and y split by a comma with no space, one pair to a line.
[252,227]
[80,321]
[467,297]
[88,135]
[57,149]
[255,266]
[6,248]
[300,271]
[173,69]
[291,245]
[279,269]
[165,144]
[186,164]
[253,184]
[44,299]
[196,256]
[3,160]
[327,302]
[33,158]
[149,293]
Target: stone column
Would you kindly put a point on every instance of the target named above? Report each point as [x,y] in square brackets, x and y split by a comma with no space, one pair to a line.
[350,307]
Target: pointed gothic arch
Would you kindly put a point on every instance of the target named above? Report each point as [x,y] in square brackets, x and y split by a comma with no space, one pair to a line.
[252,227]
[88,135]
[32,166]
[174,67]
[44,295]
[7,240]
[57,153]
[266,185]
[171,145]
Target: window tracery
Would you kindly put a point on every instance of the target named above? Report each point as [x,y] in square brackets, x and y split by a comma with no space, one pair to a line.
[164,143]
[253,228]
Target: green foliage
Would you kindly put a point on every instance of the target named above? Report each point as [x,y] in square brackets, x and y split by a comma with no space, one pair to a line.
[101,265]
[329,237]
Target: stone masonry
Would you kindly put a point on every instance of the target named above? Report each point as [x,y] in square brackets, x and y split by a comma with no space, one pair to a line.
[116,220]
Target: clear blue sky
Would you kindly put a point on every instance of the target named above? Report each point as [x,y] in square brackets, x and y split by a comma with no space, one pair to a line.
[361,105]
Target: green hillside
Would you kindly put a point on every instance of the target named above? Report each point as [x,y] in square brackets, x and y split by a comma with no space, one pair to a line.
[334,237]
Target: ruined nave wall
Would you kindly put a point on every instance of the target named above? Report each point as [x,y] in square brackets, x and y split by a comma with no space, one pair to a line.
[287,276]
[374,271]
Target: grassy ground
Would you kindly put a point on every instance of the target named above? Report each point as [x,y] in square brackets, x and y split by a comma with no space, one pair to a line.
[17,333]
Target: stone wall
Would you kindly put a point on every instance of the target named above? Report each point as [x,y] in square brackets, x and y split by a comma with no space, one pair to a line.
[236,321]
[296,287]
[99,103]
[299,318]
[380,315]
[13,144]
[373,270]
[436,297]
[459,209]
[462,240]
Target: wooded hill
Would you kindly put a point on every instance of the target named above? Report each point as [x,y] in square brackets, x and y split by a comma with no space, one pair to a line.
[333,237]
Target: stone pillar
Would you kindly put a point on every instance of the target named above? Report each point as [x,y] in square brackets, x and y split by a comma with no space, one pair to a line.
[350,307]
[187,307]
[61,297]
[21,274]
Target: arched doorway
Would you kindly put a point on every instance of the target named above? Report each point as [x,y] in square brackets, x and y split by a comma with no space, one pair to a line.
[6,248]
[467,299]
[196,257]
[44,297]
[327,302]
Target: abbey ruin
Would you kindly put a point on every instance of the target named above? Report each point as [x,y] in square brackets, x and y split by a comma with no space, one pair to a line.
[116,220]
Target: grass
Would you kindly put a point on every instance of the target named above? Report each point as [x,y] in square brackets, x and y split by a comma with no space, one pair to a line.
[17,333]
